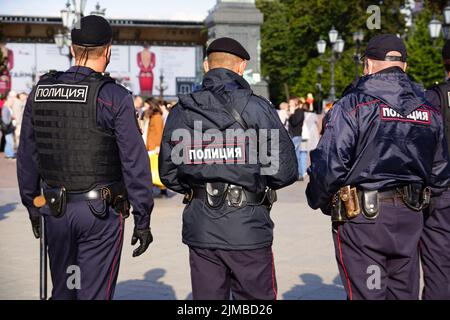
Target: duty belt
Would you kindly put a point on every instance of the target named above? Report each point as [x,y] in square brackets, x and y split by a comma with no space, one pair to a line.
[216,194]
[114,195]
[349,202]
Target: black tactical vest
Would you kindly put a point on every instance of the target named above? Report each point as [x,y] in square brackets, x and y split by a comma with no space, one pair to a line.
[73,152]
[443,90]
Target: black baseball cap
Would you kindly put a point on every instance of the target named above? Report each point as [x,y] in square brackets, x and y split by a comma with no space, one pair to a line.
[379,46]
[228,45]
[94,31]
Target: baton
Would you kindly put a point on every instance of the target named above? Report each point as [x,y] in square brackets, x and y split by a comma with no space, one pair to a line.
[43,262]
[39,202]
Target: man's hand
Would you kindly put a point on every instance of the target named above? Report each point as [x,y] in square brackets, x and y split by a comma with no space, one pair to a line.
[36,226]
[145,238]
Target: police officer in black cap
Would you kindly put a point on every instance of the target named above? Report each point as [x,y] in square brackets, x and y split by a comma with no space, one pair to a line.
[435,242]
[81,144]
[382,152]
[227,151]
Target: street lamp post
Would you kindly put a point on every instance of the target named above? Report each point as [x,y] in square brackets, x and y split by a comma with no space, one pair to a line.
[162,86]
[319,72]
[435,26]
[358,37]
[337,47]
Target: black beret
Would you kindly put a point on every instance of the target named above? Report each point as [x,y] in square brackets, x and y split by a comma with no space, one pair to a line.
[95,31]
[380,45]
[446,50]
[228,45]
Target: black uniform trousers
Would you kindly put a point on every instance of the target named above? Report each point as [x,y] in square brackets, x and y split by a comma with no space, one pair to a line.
[435,249]
[81,242]
[379,259]
[232,274]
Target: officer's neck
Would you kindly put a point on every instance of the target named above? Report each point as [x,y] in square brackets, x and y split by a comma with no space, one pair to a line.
[96,65]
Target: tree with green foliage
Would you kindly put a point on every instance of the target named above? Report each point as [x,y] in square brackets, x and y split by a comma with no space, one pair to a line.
[424,53]
[291,29]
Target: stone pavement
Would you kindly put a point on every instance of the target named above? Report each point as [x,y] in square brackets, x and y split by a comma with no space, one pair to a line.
[303,249]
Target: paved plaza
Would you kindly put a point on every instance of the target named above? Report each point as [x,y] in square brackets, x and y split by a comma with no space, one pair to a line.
[303,249]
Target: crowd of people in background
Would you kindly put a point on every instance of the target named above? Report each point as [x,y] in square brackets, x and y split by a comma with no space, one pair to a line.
[298,116]
[10,122]
[152,115]
[301,120]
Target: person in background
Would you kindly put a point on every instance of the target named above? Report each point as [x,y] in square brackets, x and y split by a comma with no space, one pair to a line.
[165,110]
[310,101]
[295,129]
[18,106]
[8,128]
[138,104]
[310,131]
[153,125]
[283,113]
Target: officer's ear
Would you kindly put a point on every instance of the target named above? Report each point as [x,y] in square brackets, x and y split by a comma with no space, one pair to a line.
[107,51]
[368,67]
[72,52]
[405,66]
[206,65]
[242,67]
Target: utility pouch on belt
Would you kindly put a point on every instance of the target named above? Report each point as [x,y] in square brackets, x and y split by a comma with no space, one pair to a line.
[122,205]
[236,197]
[270,198]
[371,204]
[349,196]
[56,199]
[215,194]
[337,211]
[415,198]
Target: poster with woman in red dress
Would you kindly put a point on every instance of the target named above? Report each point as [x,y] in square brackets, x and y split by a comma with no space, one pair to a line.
[146,62]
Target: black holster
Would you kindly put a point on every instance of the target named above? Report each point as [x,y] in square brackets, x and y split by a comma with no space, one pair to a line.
[415,197]
[115,196]
[56,199]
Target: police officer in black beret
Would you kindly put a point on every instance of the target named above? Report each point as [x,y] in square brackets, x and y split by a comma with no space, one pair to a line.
[382,153]
[214,150]
[80,142]
[435,242]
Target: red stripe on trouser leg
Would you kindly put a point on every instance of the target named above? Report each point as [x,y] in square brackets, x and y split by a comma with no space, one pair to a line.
[116,258]
[350,294]
[274,286]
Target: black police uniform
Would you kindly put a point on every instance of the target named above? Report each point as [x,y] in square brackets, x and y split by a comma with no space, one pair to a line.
[226,222]
[384,139]
[81,144]
[435,241]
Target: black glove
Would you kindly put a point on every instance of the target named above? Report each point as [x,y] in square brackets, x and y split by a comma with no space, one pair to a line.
[36,226]
[145,238]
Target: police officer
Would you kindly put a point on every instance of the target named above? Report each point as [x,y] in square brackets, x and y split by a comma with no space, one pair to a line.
[372,170]
[435,242]
[210,153]
[81,142]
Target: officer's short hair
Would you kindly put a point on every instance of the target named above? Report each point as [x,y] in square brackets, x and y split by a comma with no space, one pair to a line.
[223,60]
[86,53]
